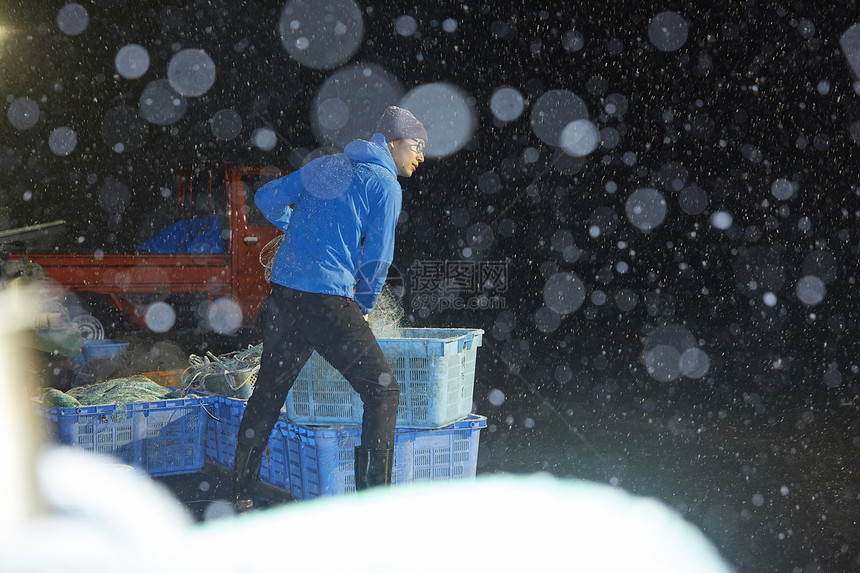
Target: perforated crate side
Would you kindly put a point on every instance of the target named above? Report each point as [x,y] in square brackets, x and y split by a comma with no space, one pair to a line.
[223,434]
[173,434]
[445,455]
[222,431]
[325,461]
[98,429]
[436,378]
[324,465]
[160,437]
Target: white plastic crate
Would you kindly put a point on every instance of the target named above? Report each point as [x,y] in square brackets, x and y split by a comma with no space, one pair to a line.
[435,368]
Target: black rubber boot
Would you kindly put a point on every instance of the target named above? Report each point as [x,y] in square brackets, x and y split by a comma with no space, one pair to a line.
[372,467]
[246,472]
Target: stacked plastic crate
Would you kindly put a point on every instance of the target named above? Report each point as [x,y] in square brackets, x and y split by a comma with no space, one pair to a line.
[436,436]
[311,450]
[161,437]
[221,435]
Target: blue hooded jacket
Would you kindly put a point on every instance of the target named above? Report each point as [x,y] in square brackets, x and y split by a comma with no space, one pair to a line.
[339,235]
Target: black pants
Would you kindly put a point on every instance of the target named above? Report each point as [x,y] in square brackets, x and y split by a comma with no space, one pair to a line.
[296,323]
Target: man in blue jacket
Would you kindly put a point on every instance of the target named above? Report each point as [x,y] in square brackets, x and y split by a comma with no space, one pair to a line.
[338,215]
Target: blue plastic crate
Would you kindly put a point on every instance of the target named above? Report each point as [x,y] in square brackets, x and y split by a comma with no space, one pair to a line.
[102,348]
[99,348]
[322,458]
[222,433]
[434,367]
[162,437]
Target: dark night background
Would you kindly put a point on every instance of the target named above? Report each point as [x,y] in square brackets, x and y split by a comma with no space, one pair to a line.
[738,106]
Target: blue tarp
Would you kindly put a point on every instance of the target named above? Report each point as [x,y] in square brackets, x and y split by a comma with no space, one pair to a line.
[201,235]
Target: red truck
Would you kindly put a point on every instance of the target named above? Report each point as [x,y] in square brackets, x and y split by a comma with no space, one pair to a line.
[114,291]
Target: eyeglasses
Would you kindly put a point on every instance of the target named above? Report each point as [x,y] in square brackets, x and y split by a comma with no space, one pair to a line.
[417,147]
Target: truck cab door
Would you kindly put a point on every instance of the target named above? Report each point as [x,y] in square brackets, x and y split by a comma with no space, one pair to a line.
[251,232]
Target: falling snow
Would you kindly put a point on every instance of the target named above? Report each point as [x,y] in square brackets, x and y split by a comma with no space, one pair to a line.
[650,209]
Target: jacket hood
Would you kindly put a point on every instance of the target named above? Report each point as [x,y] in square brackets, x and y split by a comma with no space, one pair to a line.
[374,151]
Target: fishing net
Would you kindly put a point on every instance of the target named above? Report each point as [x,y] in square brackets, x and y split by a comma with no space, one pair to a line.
[54,398]
[387,318]
[119,391]
[232,374]
[267,254]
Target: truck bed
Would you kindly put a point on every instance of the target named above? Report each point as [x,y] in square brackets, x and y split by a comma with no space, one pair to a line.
[140,273]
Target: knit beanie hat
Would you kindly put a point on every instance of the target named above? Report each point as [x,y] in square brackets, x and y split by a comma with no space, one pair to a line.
[398,123]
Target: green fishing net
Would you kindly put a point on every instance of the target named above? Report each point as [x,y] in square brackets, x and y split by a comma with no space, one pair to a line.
[119,391]
[56,399]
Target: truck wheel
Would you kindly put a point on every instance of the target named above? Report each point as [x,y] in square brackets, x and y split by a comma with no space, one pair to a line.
[97,319]
[89,327]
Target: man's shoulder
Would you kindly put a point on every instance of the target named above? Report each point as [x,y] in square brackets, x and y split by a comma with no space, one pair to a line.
[378,174]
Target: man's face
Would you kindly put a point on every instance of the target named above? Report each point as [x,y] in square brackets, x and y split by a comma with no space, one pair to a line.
[407,154]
